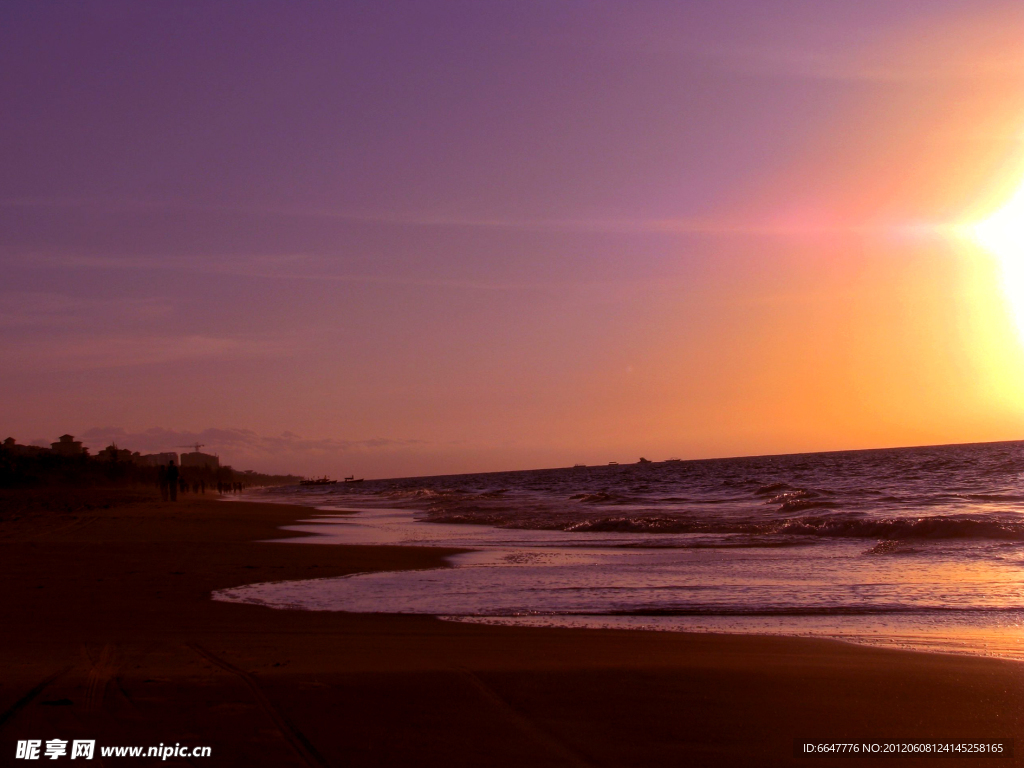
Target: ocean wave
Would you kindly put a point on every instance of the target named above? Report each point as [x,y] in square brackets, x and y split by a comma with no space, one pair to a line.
[602,497]
[744,543]
[892,547]
[951,492]
[797,611]
[794,499]
[821,526]
[422,493]
[936,527]
[772,488]
[798,505]
[830,610]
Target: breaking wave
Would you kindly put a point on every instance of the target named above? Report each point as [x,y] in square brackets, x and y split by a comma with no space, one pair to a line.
[835,526]
[968,492]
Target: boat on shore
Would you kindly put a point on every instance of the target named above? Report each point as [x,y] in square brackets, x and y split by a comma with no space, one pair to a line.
[318,481]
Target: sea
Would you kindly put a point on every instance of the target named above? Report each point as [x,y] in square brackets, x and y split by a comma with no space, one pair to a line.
[917,548]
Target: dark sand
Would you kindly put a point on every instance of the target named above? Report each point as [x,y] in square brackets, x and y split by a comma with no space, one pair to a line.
[109,609]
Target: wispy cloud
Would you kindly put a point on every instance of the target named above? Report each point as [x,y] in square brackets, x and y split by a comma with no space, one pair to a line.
[77,352]
[37,309]
[974,43]
[297,267]
[763,223]
[421,219]
[882,65]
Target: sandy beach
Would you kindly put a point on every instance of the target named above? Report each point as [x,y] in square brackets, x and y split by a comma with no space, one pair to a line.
[112,636]
[505,384]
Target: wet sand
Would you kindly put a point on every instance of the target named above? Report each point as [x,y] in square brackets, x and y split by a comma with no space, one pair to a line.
[110,635]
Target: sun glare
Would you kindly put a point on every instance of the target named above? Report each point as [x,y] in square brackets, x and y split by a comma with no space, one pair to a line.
[1003,235]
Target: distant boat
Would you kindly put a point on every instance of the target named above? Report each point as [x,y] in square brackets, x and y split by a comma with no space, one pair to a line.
[613,463]
[353,479]
[579,466]
[318,481]
[644,461]
[672,459]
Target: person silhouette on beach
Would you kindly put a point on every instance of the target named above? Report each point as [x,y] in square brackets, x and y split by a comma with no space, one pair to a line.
[172,480]
[161,477]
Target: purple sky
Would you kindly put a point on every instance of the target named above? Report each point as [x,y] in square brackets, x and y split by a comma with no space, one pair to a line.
[443,236]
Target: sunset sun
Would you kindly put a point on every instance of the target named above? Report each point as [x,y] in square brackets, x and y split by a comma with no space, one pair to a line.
[1002,234]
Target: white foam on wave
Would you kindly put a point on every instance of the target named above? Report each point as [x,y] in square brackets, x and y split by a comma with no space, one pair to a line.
[632,581]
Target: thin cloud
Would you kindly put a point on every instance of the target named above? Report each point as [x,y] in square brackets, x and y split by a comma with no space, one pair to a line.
[885,66]
[263,267]
[263,264]
[29,309]
[924,48]
[79,352]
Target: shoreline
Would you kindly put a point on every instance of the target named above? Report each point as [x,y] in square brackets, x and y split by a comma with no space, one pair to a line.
[112,614]
[883,630]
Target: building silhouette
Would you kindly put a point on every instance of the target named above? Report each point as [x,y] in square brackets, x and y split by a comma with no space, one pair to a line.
[197,459]
[11,446]
[113,453]
[157,459]
[68,446]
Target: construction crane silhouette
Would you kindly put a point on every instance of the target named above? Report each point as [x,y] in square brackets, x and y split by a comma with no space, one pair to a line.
[197,446]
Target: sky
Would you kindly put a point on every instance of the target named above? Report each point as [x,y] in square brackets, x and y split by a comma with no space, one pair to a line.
[391,239]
